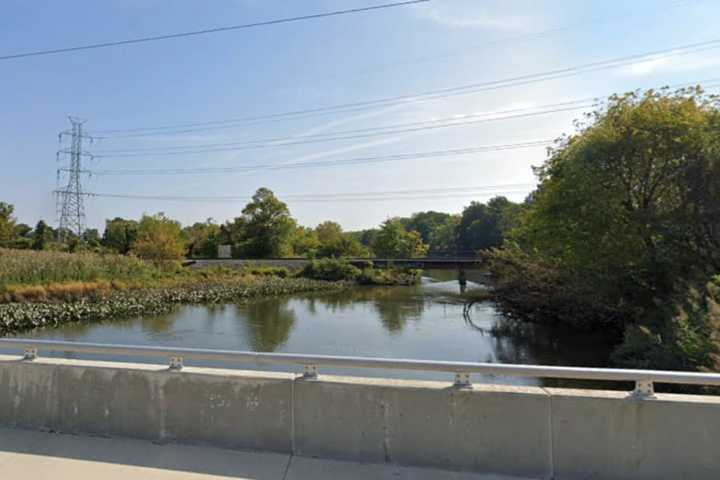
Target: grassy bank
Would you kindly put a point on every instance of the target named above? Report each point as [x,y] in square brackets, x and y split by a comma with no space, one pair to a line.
[29,267]
[46,289]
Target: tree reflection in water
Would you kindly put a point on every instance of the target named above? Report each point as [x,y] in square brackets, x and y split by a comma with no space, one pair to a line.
[394,306]
[268,322]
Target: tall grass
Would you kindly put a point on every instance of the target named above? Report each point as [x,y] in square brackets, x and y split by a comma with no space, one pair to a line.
[27,267]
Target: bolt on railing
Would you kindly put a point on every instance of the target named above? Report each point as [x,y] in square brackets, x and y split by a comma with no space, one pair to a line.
[644,379]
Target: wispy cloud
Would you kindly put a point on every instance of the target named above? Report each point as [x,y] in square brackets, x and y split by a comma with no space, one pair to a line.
[470,16]
[665,64]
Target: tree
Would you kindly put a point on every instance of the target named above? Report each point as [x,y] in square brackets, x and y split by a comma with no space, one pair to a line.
[626,221]
[120,234]
[393,241]
[91,237]
[426,223]
[333,242]
[158,239]
[265,229]
[365,237]
[305,242]
[483,226]
[23,230]
[7,222]
[443,236]
[202,239]
[42,236]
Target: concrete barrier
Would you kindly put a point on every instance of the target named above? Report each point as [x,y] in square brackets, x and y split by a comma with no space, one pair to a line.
[519,431]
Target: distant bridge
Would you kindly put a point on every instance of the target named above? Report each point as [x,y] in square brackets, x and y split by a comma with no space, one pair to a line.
[425,263]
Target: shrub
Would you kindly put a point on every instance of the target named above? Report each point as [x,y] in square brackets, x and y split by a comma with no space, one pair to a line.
[330,269]
[389,276]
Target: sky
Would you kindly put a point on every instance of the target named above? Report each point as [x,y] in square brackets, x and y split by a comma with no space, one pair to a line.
[404,51]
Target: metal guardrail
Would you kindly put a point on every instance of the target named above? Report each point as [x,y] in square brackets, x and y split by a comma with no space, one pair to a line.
[644,379]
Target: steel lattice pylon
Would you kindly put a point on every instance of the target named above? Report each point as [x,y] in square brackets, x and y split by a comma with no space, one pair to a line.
[70,206]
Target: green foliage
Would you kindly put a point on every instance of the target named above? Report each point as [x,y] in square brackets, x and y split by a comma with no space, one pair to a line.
[42,236]
[267,271]
[394,241]
[91,237]
[23,230]
[120,234]
[202,239]
[425,223]
[7,223]
[684,334]
[158,239]
[333,242]
[625,221]
[389,276]
[330,269]
[538,289]
[305,242]
[484,226]
[443,236]
[265,229]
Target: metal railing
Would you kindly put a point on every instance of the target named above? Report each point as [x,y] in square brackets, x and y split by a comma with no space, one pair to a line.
[644,379]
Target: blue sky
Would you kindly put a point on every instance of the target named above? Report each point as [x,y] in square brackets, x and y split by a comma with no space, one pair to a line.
[402,51]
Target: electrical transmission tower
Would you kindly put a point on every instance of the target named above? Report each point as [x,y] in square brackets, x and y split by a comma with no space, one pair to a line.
[70,207]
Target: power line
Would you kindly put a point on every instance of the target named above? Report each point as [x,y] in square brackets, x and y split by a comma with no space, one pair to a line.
[323,163]
[445,122]
[412,127]
[435,94]
[209,30]
[455,192]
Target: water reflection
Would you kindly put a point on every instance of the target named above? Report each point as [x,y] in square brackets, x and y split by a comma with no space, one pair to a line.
[268,322]
[420,322]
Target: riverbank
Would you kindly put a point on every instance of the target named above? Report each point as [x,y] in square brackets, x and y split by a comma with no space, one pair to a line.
[134,302]
[47,289]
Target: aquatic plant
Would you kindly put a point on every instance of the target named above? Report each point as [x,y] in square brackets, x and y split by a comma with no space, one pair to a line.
[15,317]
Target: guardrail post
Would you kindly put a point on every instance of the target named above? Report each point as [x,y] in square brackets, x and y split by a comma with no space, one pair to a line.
[644,389]
[31,353]
[310,371]
[176,363]
[462,380]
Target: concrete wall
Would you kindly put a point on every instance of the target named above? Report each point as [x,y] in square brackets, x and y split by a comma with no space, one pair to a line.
[520,431]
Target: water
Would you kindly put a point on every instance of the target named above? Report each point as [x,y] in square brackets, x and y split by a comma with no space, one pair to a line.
[420,322]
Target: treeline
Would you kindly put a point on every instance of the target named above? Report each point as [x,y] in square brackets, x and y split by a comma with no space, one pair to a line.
[266,229]
[623,232]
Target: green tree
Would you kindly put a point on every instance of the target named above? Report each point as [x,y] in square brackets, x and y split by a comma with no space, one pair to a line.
[91,237]
[265,229]
[305,242]
[7,222]
[158,239]
[427,224]
[333,242]
[43,235]
[23,230]
[394,241]
[625,222]
[443,236]
[120,234]
[202,239]
[484,226]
